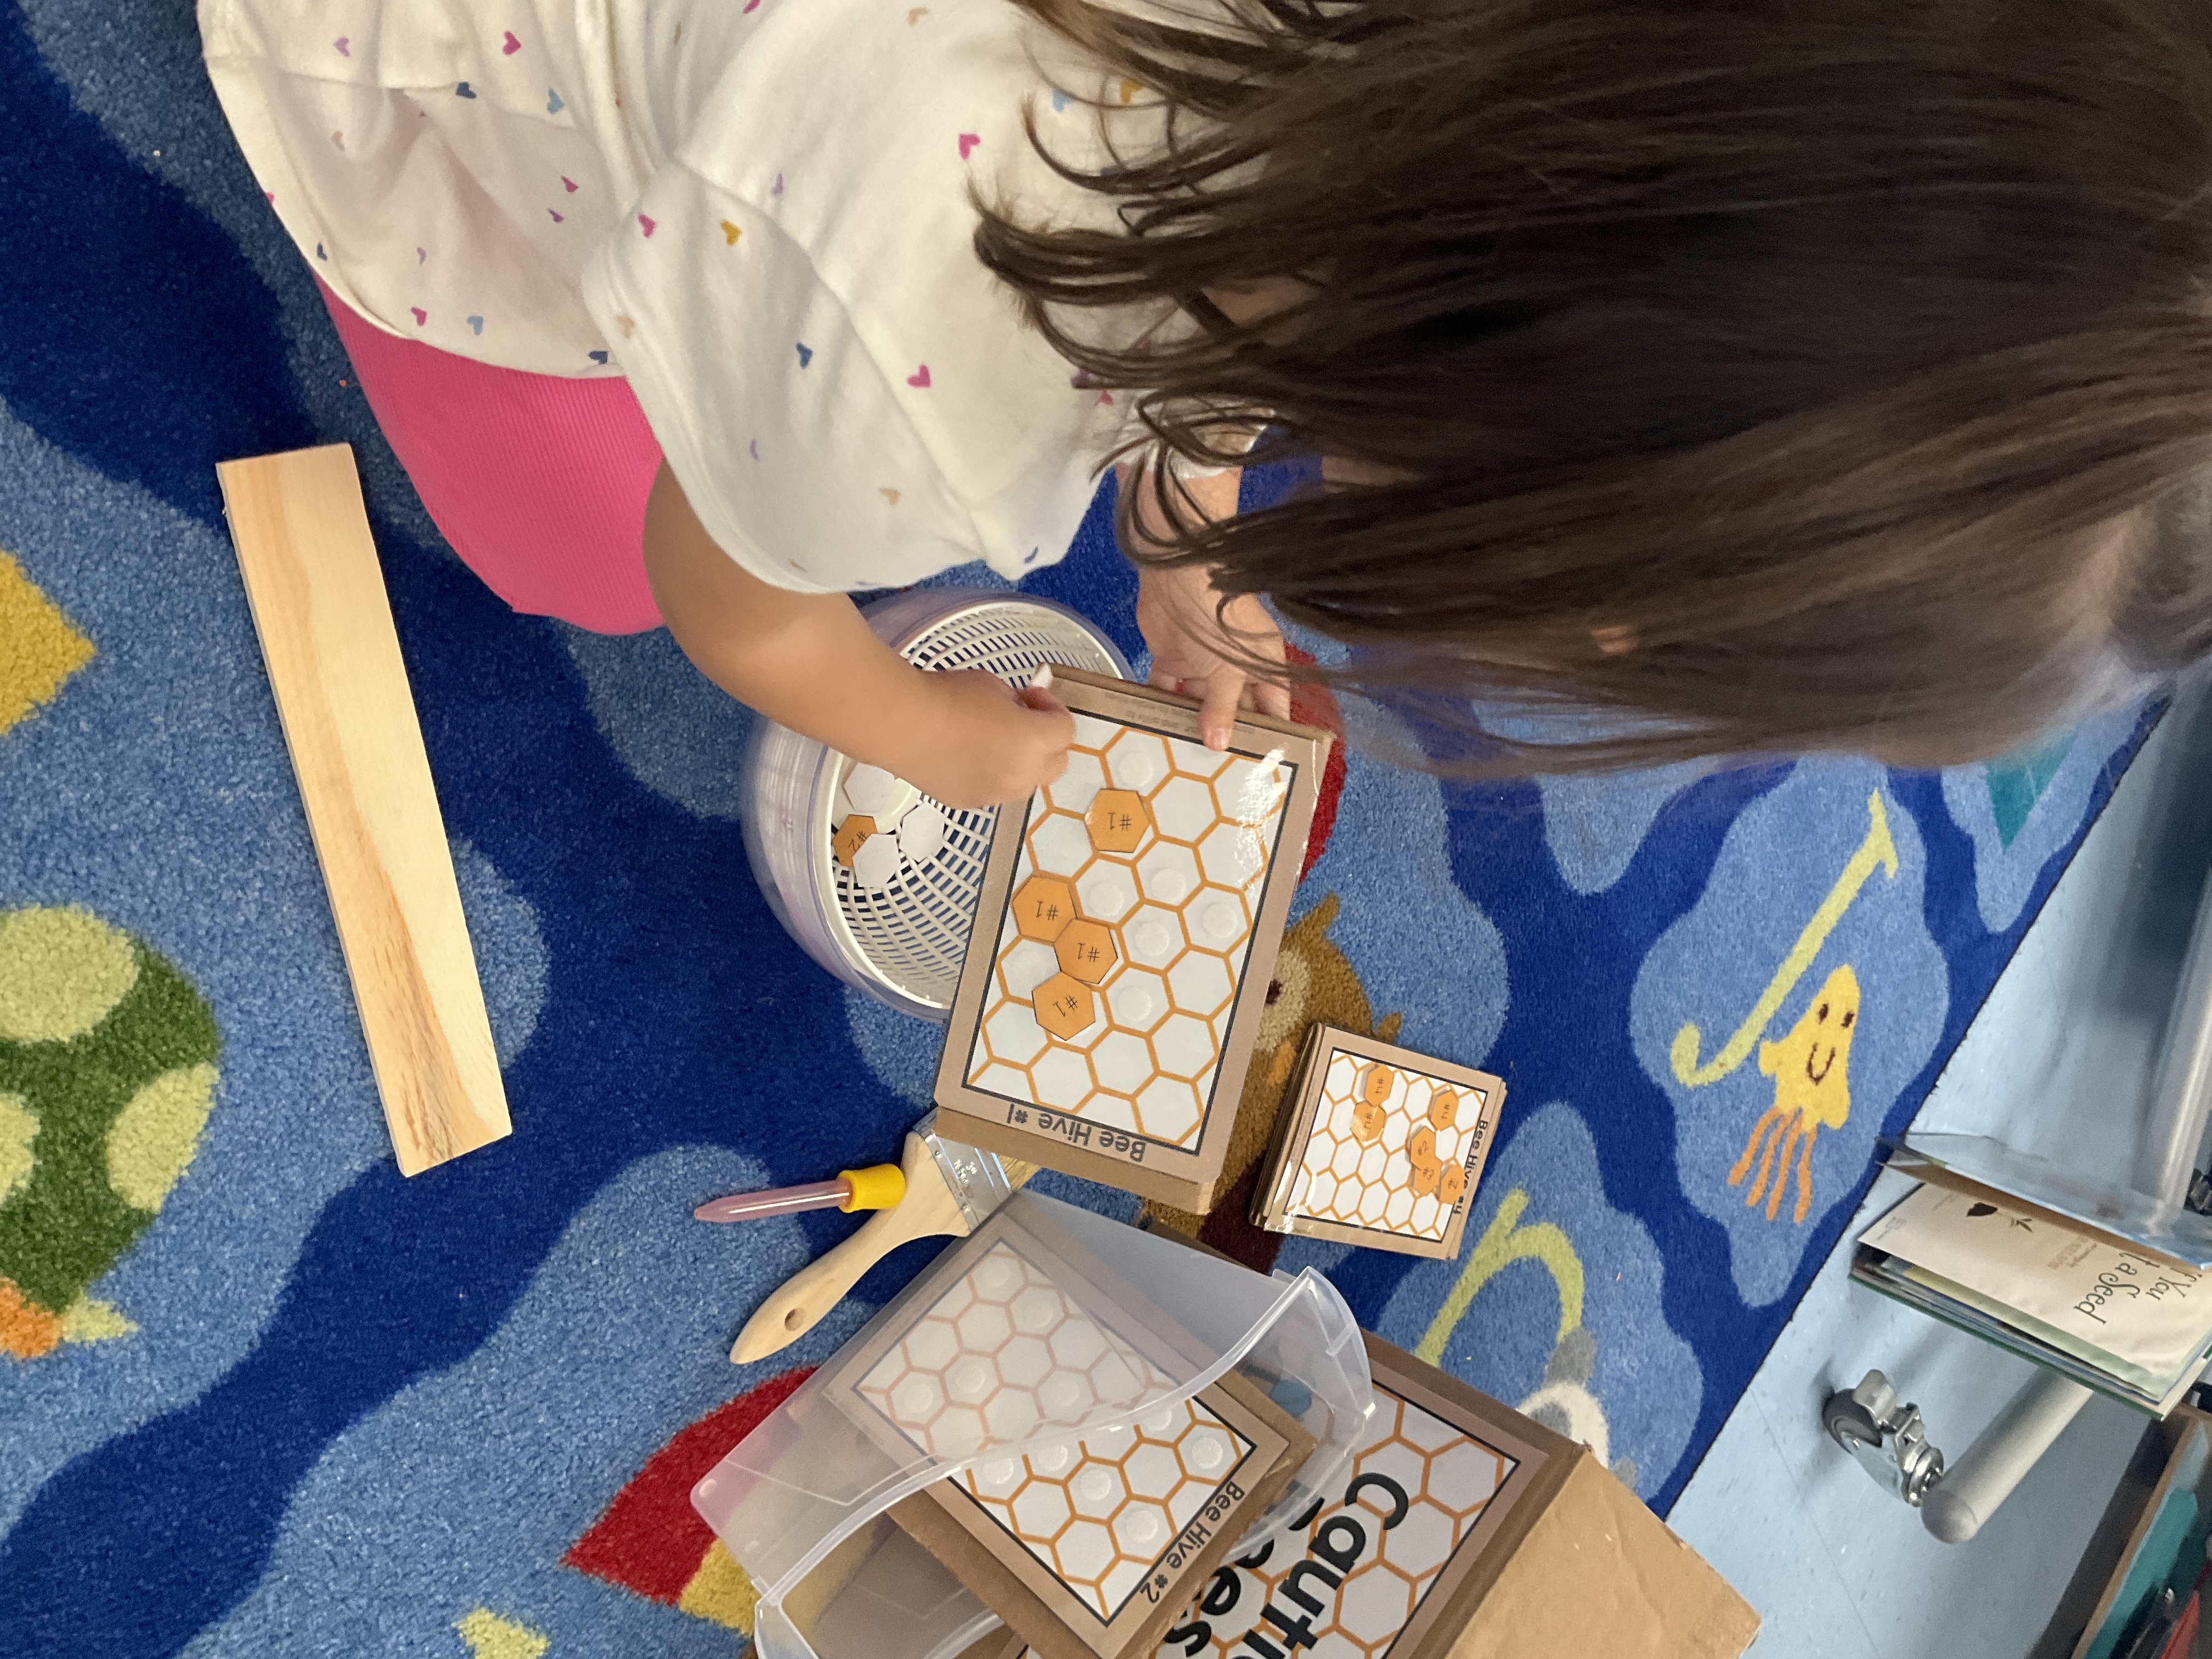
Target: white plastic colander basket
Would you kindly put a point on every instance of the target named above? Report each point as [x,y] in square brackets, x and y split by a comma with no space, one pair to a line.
[902,942]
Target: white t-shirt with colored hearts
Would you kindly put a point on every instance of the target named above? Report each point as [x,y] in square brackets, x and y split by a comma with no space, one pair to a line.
[759,211]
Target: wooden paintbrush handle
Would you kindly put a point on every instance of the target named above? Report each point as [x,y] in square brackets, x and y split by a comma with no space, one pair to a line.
[798,1304]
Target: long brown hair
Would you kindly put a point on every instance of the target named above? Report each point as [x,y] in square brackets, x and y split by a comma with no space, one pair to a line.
[1848,362]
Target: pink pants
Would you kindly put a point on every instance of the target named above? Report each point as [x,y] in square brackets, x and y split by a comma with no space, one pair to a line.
[539,483]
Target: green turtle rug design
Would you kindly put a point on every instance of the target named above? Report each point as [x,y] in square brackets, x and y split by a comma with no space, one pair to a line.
[106,1077]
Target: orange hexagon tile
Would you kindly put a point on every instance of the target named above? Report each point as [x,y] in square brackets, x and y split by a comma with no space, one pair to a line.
[1086,951]
[1042,907]
[1064,1005]
[1118,820]
[850,834]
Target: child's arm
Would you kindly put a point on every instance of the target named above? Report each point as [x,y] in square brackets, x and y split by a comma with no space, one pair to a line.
[809,661]
[1175,612]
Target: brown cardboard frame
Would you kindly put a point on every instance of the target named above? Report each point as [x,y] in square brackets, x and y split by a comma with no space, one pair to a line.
[1151,1167]
[1294,1134]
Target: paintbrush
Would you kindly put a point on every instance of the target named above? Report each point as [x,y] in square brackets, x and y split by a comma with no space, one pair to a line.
[949,1189]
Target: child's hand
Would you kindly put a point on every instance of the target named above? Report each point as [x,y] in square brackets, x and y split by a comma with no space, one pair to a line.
[979,742]
[1176,613]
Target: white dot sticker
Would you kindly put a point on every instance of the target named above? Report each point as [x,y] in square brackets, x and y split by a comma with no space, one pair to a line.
[998,1471]
[1061,1392]
[1094,1485]
[1161,1421]
[1169,886]
[1052,1460]
[920,833]
[996,1275]
[1133,1004]
[1151,940]
[876,862]
[869,789]
[1220,919]
[1134,766]
[914,1399]
[1204,1453]
[1143,1527]
[1106,900]
[970,1377]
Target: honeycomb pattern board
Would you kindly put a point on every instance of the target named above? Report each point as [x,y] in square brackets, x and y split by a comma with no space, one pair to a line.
[1133,899]
[1097,1531]
[1002,1355]
[1375,1571]
[1088,1547]
[1379,1146]
[1101,1512]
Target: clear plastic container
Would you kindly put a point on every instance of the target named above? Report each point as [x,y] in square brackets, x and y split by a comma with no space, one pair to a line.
[1132,1322]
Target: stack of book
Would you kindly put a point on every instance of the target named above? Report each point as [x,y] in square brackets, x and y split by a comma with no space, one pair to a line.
[2108,1289]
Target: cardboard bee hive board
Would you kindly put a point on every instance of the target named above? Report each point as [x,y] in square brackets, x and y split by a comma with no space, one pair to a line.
[1391,1566]
[1090,1544]
[1127,925]
[1088,1548]
[1464,1530]
[1379,1146]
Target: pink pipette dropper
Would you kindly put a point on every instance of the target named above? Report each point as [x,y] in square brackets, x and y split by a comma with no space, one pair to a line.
[878,1187]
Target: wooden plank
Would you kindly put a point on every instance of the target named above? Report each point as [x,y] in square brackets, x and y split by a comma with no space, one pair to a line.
[319,604]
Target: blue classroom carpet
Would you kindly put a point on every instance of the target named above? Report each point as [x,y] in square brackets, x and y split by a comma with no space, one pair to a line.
[260,1396]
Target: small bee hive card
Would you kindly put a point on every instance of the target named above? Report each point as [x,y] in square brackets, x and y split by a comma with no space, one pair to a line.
[1128,922]
[1087,1546]
[1088,1549]
[1378,1146]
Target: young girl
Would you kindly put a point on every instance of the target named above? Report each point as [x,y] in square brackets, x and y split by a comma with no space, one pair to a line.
[1740,377]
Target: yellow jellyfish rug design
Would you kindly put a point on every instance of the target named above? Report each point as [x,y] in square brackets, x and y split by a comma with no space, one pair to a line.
[107,1076]
[1811,1069]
